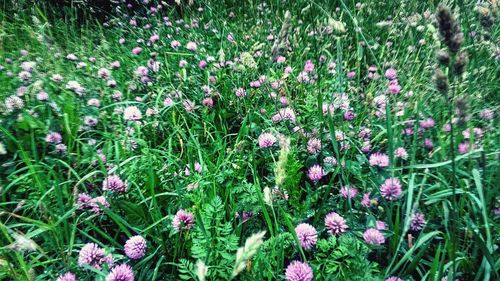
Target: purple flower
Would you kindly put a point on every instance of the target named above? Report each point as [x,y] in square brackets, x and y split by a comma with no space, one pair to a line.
[373,236]
[175,44]
[191,46]
[330,160]
[240,92]
[266,140]
[379,160]
[391,189]
[53,137]
[394,278]
[417,221]
[121,272]
[183,220]
[92,255]
[335,224]
[463,147]
[135,247]
[487,114]
[315,173]
[400,152]
[391,74]
[380,225]
[394,88]
[314,146]
[114,183]
[366,201]
[299,271]
[96,203]
[348,192]
[136,50]
[68,276]
[132,113]
[307,235]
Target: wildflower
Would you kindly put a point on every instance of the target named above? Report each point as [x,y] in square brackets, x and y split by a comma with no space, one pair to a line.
[53,137]
[314,146]
[284,114]
[92,255]
[175,44]
[135,247]
[68,276]
[121,272]
[487,114]
[400,152]
[394,88]
[61,148]
[366,201]
[94,102]
[72,57]
[114,183]
[136,50]
[373,236]
[298,271]
[379,160]
[183,220]
[391,74]
[191,46]
[132,113]
[394,278]
[266,140]
[417,221]
[307,235]
[335,224]
[330,160]
[391,189]
[103,73]
[42,96]
[463,147]
[208,102]
[97,203]
[315,173]
[380,225]
[240,92]
[428,143]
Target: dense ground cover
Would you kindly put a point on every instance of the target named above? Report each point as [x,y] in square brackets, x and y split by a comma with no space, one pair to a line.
[250,140]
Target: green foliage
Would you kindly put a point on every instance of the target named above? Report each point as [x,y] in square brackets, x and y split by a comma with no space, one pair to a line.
[214,241]
[344,258]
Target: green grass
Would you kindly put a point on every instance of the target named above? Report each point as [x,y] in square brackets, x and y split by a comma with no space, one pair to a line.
[243,189]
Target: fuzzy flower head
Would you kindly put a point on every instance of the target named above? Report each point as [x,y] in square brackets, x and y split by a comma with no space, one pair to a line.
[92,255]
[315,173]
[68,276]
[314,146]
[114,183]
[121,272]
[348,192]
[373,236]
[394,278]
[53,137]
[379,160]
[307,235]
[391,189]
[183,220]
[132,113]
[401,153]
[191,46]
[298,271]
[135,247]
[417,221]
[335,224]
[266,140]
